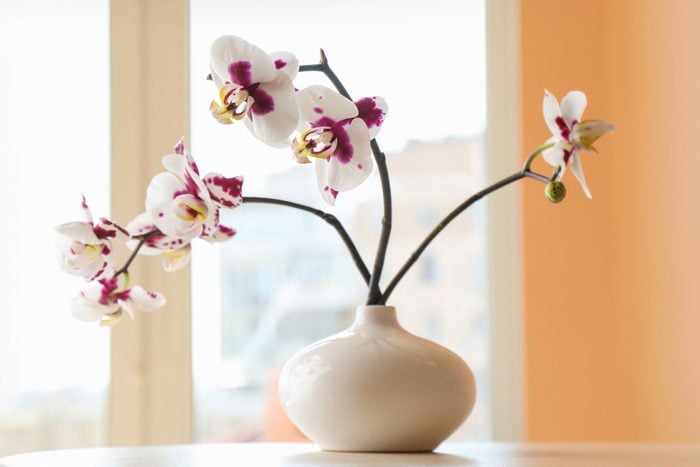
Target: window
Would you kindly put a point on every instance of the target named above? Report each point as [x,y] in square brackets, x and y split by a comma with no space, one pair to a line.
[285,280]
[54,128]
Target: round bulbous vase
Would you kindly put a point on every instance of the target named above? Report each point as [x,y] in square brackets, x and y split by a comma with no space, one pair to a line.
[377,388]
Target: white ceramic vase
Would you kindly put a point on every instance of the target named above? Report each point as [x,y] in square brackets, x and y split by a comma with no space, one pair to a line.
[377,388]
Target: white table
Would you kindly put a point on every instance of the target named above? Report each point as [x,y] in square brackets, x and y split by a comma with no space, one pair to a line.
[287,454]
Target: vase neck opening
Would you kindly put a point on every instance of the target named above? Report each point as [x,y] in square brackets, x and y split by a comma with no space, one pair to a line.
[381,315]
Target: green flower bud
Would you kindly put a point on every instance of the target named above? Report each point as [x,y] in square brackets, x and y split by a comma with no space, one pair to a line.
[555,191]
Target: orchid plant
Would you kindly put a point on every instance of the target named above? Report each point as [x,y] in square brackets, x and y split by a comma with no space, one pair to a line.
[319,126]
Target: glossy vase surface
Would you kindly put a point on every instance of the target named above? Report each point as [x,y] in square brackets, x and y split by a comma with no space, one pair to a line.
[377,388]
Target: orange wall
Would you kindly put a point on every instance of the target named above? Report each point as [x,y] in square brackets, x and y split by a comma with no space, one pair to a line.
[613,284]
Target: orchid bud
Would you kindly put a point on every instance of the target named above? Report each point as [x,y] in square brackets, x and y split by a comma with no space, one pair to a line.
[587,132]
[555,191]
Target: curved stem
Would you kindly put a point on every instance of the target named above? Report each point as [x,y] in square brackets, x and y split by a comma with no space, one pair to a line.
[374,294]
[330,218]
[125,269]
[449,218]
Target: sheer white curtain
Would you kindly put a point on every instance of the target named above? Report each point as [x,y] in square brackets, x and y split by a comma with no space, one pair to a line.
[54,146]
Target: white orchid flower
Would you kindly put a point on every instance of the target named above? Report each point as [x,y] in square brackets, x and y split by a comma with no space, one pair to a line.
[176,251]
[84,248]
[183,206]
[254,86]
[107,300]
[336,136]
[570,134]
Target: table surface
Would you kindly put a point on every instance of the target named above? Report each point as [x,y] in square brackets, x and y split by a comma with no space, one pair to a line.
[289,454]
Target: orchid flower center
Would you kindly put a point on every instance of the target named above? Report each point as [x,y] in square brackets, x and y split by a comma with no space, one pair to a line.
[318,142]
[235,101]
[83,254]
[190,208]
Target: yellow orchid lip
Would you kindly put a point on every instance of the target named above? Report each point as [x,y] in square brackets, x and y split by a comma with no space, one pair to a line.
[190,209]
[233,105]
[317,142]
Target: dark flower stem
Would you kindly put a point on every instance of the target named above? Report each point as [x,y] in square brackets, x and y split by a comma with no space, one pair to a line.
[125,269]
[450,217]
[330,218]
[374,295]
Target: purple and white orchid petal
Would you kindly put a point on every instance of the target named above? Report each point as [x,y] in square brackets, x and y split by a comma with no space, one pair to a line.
[286,62]
[224,191]
[552,113]
[319,102]
[238,61]
[179,147]
[211,222]
[372,110]
[577,170]
[174,260]
[87,307]
[87,215]
[274,113]
[141,225]
[572,107]
[144,300]
[220,234]
[352,157]
[105,229]
[80,231]
[328,194]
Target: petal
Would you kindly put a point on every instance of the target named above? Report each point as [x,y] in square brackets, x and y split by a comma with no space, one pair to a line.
[318,102]
[554,156]
[286,62]
[87,215]
[179,147]
[577,170]
[587,132]
[143,300]
[80,231]
[175,164]
[238,61]
[220,234]
[157,243]
[174,260]
[372,110]
[124,305]
[141,225]
[105,229]
[162,198]
[340,174]
[275,113]
[551,111]
[225,191]
[85,308]
[572,107]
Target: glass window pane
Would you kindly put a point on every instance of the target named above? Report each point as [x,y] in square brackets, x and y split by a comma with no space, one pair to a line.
[286,280]
[54,129]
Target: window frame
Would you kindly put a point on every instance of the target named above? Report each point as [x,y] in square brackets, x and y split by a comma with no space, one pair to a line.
[151,359]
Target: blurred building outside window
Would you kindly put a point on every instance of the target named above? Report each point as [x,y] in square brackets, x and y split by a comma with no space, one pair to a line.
[286,280]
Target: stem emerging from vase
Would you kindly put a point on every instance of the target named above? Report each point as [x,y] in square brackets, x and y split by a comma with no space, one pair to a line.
[374,294]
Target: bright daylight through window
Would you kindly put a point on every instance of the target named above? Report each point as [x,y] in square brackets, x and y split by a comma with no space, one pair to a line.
[284,281]
[54,128]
